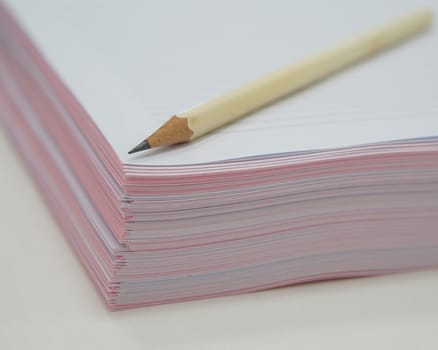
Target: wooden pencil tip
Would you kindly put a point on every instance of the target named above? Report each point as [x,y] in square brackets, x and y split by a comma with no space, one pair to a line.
[142,146]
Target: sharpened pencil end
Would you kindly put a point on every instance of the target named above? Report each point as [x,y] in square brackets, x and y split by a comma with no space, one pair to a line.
[144,145]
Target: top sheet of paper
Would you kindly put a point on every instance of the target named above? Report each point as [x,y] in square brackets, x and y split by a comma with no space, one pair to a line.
[133,64]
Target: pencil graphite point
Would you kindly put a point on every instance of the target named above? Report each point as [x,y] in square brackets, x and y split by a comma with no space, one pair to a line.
[142,146]
[175,130]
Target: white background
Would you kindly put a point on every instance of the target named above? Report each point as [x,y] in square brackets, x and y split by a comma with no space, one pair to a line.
[48,302]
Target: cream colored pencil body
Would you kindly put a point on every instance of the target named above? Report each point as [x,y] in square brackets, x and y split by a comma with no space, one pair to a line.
[204,118]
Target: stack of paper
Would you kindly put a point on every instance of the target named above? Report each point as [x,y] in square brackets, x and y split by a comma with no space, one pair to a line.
[339,180]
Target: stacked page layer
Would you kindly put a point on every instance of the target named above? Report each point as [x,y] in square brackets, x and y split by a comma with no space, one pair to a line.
[221,216]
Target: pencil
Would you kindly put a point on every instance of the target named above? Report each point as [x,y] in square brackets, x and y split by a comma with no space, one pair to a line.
[191,124]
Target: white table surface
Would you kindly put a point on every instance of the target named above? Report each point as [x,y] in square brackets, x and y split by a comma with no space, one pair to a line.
[48,302]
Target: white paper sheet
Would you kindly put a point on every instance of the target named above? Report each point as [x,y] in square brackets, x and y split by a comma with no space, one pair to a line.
[133,64]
